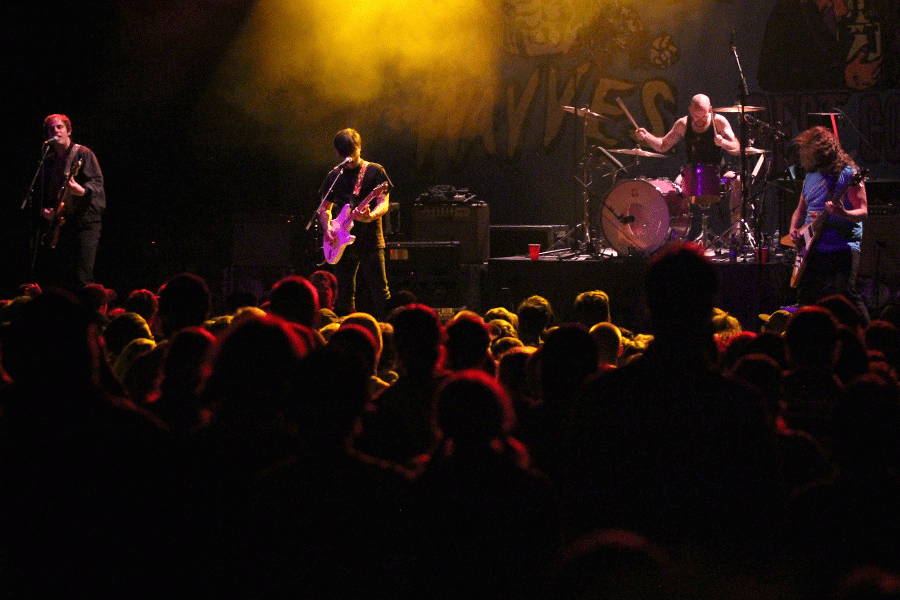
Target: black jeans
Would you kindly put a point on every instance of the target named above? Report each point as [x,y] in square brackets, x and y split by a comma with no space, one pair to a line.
[363,271]
[829,273]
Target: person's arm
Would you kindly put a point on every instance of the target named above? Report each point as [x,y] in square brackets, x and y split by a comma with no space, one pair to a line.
[725,137]
[325,219]
[798,218]
[370,212]
[857,198]
[665,143]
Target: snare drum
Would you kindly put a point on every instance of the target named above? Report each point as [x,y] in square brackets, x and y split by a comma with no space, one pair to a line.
[701,184]
[643,214]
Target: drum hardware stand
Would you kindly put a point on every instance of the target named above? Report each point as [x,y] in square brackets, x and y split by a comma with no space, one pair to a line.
[586,245]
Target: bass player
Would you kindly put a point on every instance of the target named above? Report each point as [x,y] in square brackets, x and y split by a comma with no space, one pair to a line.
[363,258]
[73,201]
[832,186]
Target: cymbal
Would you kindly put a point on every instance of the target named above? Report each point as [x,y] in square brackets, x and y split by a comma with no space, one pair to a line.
[824,114]
[637,152]
[585,113]
[738,108]
[755,151]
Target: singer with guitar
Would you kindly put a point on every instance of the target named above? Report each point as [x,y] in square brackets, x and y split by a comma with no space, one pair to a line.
[364,187]
[73,200]
[833,203]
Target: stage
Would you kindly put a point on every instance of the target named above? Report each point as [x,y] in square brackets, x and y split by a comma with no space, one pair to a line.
[746,288]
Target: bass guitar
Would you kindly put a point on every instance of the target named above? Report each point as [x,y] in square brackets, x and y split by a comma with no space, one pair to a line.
[810,233]
[341,225]
[51,238]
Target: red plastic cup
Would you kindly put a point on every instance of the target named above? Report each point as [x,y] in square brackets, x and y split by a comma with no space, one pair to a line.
[534,251]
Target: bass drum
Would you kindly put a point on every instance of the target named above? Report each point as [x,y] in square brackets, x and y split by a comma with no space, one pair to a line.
[641,215]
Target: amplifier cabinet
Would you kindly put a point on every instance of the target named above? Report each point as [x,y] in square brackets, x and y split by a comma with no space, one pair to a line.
[430,270]
[467,224]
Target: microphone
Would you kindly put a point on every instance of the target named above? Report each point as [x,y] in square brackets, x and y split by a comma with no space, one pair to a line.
[55,138]
[346,161]
[732,39]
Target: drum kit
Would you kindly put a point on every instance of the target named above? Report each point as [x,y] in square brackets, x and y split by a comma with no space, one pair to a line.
[641,215]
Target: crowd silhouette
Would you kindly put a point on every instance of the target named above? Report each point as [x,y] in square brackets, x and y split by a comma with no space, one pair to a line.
[279,449]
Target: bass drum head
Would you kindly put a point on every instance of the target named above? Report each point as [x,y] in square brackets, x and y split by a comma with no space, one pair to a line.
[636,217]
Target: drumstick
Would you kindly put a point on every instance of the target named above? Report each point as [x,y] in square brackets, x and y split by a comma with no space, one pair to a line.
[627,114]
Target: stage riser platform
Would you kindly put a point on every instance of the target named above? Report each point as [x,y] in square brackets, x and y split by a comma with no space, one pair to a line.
[746,288]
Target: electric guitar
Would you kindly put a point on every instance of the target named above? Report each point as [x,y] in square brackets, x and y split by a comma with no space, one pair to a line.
[51,238]
[812,231]
[341,225]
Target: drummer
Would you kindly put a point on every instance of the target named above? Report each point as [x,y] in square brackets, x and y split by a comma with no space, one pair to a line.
[707,136]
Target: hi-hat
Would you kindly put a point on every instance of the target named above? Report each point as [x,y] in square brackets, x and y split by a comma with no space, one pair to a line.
[752,150]
[585,113]
[738,108]
[637,152]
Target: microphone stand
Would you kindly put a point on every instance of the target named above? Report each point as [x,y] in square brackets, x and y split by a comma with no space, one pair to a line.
[745,184]
[26,202]
[312,217]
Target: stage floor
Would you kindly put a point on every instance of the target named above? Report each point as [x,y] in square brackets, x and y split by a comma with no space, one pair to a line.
[746,288]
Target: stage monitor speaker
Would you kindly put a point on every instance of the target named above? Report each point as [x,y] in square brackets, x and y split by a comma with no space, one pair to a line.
[453,222]
[430,270]
[513,240]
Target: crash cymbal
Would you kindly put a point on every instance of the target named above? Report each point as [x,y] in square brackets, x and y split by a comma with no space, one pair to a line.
[585,113]
[738,108]
[754,151]
[637,152]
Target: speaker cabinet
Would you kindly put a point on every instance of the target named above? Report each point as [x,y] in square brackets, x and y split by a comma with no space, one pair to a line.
[880,248]
[513,240]
[262,240]
[452,222]
[430,270]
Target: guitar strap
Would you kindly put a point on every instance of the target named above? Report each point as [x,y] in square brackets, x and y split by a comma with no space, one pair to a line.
[70,159]
[359,179]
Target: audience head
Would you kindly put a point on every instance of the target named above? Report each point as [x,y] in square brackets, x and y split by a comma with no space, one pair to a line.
[123,329]
[356,342]
[535,314]
[608,338]
[418,338]
[569,355]
[294,299]
[251,369]
[370,324]
[811,338]
[468,343]
[504,314]
[680,287]
[843,310]
[144,303]
[96,297]
[326,285]
[184,301]
[591,308]
[776,322]
[52,341]
[884,337]
[473,410]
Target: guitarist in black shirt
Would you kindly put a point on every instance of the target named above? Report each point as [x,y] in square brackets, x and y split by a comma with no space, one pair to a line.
[827,224]
[351,182]
[73,201]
